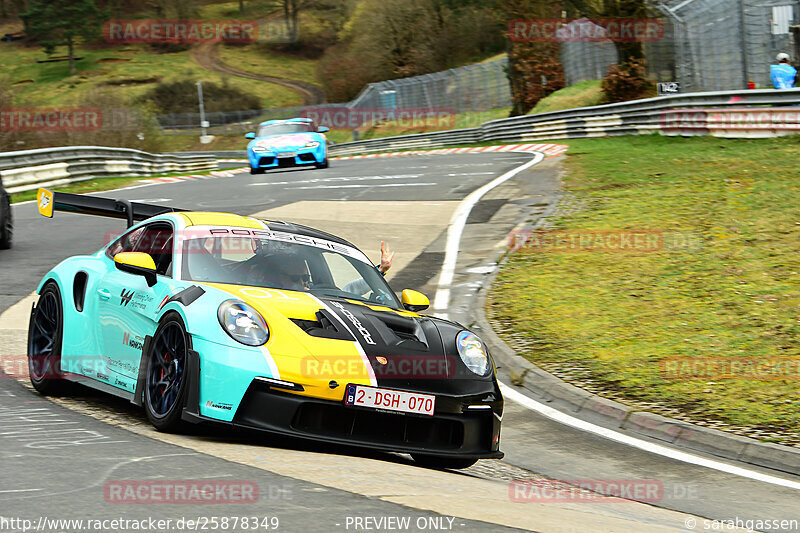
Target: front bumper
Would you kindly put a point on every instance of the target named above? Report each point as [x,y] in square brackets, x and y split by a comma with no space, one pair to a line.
[311,156]
[453,431]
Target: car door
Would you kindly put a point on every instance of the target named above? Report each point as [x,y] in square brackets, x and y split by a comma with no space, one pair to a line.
[128,307]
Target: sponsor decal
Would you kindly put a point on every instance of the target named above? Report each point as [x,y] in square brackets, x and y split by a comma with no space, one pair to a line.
[219,405]
[125,297]
[135,342]
[104,377]
[364,332]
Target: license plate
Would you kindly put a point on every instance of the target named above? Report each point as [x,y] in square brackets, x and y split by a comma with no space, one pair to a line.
[391,400]
[286,154]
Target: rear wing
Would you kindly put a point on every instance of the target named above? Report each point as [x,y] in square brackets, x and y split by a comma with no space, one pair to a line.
[49,201]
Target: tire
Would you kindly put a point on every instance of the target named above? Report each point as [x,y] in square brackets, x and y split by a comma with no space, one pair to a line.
[6,226]
[324,163]
[255,171]
[440,463]
[166,377]
[44,342]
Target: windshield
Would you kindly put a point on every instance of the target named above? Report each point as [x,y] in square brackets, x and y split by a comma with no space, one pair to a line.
[283,129]
[321,267]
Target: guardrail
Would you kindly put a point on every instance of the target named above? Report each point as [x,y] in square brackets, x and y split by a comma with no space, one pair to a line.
[48,167]
[752,113]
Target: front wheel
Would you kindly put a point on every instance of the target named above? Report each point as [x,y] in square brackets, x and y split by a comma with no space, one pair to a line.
[433,461]
[255,171]
[324,163]
[166,377]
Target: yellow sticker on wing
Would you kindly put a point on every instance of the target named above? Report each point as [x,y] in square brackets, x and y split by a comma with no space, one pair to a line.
[44,199]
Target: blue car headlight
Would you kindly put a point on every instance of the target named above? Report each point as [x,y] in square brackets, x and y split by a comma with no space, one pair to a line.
[259,149]
[311,144]
[473,353]
[243,323]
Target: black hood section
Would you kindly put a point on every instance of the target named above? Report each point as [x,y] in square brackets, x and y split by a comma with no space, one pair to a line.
[408,353]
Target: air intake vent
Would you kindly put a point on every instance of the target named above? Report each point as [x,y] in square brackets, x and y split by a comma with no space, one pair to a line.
[323,327]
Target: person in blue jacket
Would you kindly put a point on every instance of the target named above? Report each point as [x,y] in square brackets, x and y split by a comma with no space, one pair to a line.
[783,73]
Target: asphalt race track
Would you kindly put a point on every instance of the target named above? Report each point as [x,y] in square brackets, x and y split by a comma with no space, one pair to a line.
[58,457]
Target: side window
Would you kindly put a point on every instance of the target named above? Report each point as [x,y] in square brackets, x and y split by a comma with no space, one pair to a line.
[126,243]
[156,240]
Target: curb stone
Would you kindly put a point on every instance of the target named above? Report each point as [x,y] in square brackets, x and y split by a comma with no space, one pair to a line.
[549,389]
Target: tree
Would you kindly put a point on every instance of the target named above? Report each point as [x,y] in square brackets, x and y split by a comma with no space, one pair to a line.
[63,22]
[595,9]
[291,12]
[534,68]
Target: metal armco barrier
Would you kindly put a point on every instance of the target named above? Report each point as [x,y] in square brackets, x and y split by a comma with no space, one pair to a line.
[748,114]
[29,169]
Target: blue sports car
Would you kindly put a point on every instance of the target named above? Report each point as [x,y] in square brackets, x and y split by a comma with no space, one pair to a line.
[287,143]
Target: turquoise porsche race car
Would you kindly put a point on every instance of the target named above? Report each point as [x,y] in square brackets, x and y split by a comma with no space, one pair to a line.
[287,143]
[267,325]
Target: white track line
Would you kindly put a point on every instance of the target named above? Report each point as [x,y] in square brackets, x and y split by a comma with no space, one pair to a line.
[568,420]
[457,222]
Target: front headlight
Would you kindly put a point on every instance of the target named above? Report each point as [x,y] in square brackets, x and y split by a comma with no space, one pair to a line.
[312,144]
[242,323]
[259,149]
[472,352]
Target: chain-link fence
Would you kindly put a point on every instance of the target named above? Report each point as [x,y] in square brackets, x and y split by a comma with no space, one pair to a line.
[724,44]
[477,87]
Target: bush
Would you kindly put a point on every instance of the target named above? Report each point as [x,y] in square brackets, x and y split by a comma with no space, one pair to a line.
[625,82]
[181,97]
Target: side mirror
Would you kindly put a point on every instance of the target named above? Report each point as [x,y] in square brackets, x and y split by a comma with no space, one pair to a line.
[250,135]
[323,129]
[138,263]
[414,301]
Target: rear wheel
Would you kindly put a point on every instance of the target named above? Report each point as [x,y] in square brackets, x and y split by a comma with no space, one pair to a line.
[44,342]
[6,226]
[166,377]
[432,461]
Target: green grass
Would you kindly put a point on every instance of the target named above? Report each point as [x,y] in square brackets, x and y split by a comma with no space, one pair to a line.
[582,94]
[611,318]
[132,69]
[259,59]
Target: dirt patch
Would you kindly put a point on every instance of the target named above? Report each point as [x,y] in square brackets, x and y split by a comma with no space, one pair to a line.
[114,60]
